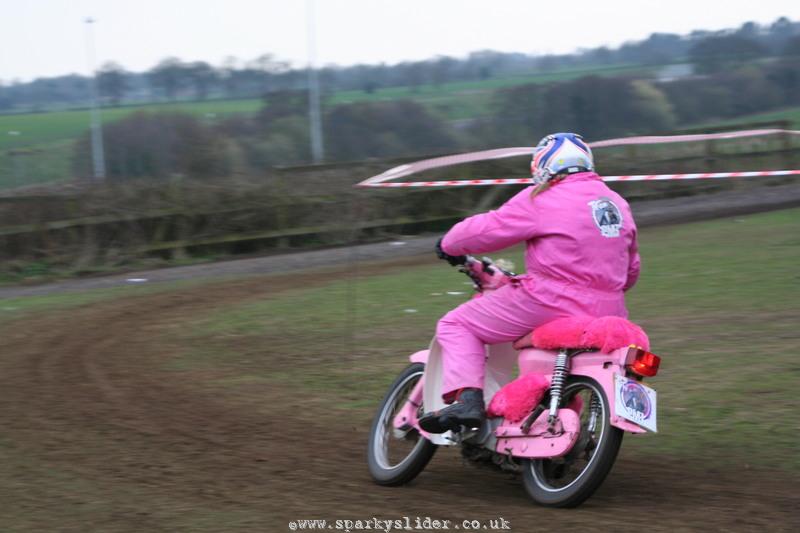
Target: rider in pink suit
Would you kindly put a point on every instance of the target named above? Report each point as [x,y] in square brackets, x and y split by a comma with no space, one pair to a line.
[580,256]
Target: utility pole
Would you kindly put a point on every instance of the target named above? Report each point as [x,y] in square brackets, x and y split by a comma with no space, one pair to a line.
[314,114]
[98,155]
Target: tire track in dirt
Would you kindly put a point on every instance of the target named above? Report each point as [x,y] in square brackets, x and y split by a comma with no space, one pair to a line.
[87,392]
[92,375]
[92,378]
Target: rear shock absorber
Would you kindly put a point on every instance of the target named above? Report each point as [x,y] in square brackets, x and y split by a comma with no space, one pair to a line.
[560,373]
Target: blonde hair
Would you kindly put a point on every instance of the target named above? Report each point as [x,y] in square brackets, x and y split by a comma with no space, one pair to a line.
[546,185]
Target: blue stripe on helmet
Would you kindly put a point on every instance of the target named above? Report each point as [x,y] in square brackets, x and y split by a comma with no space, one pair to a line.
[543,162]
[579,143]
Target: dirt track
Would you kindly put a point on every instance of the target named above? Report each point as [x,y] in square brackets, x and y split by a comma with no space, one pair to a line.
[113,441]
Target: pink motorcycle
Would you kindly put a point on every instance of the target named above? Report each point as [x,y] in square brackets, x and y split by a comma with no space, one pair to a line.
[559,423]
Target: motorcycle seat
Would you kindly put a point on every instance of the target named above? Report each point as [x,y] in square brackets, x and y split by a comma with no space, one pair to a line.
[606,334]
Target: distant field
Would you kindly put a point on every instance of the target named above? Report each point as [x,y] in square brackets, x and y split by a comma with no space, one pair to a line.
[46,138]
[467,98]
[488,84]
[42,163]
[791,114]
[39,128]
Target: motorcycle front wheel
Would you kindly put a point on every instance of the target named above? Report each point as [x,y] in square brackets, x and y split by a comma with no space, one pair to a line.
[568,481]
[396,456]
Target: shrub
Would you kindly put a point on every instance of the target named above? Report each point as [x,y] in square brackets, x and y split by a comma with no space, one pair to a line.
[157,145]
[594,106]
[386,129]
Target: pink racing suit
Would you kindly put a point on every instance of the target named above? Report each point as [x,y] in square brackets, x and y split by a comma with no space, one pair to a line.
[580,257]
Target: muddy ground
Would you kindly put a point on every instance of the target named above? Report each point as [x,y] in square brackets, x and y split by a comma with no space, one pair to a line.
[99,434]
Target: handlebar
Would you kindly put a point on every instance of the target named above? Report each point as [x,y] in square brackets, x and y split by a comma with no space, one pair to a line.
[485,273]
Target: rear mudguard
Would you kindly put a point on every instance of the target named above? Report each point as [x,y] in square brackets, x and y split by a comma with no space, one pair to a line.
[419,357]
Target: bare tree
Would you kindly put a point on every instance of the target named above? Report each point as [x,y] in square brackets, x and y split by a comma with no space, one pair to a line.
[169,76]
[267,65]
[229,76]
[203,77]
[112,82]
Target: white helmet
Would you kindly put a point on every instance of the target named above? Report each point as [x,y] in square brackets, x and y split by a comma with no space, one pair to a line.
[560,153]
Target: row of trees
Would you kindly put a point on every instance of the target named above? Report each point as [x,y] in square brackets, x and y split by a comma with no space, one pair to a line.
[175,79]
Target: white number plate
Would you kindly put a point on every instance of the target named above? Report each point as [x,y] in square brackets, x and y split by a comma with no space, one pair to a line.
[635,402]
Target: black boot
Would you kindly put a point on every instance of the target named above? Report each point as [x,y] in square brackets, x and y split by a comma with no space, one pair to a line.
[467,411]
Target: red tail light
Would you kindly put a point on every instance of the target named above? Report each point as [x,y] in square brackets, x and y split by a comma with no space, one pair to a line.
[642,362]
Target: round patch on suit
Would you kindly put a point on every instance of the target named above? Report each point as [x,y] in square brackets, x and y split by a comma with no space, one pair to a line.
[607,216]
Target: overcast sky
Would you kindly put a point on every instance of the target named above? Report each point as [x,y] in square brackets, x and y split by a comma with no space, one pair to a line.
[47,37]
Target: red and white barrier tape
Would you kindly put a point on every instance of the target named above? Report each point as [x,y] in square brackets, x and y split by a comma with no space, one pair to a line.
[384,179]
[664,139]
[528,181]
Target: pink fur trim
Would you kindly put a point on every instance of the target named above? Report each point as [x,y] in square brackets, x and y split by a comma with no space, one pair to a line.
[607,334]
[611,332]
[518,398]
[561,333]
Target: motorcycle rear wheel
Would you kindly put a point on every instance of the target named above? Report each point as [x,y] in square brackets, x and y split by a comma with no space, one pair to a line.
[570,480]
[394,459]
